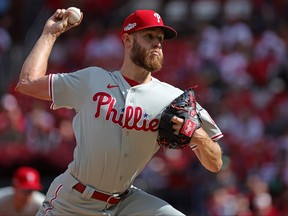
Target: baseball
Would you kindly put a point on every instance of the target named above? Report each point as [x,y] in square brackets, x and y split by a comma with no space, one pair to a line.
[75,15]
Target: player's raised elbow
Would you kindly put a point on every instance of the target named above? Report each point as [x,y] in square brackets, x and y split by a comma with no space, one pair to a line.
[37,88]
[22,86]
[25,86]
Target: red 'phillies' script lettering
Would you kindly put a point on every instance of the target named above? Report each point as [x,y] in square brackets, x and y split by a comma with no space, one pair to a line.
[133,115]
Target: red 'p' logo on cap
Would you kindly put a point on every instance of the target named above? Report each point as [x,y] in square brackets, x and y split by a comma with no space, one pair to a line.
[143,19]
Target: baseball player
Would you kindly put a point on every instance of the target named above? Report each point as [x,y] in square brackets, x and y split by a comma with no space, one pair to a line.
[23,197]
[116,121]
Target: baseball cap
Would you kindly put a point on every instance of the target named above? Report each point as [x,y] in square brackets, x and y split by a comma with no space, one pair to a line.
[27,178]
[143,19]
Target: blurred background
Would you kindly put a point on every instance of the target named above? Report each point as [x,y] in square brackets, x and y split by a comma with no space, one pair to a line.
[234,50]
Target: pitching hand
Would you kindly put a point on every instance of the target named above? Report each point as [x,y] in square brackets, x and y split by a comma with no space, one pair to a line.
[58,23]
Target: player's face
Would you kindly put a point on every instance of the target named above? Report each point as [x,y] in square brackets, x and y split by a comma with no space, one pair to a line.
[147,50]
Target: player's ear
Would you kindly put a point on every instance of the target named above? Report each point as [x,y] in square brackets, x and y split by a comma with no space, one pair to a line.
[127,40]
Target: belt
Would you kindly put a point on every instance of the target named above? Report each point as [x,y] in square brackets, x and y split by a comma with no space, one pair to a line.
[110,199]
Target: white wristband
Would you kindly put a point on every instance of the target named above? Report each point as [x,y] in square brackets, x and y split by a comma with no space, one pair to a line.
[193,146]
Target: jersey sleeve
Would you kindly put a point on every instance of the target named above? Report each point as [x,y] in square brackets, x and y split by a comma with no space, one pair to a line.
[208,124]
[68,90]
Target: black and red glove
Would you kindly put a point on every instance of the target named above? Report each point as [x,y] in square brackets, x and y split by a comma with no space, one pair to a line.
[184,106]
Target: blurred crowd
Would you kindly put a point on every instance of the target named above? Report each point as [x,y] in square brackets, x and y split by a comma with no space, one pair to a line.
[235,51]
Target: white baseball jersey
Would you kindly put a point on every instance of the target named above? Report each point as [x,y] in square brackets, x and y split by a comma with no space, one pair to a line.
[115,125]
[7,207]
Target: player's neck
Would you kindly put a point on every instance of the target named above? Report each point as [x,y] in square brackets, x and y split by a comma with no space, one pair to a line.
[136,73]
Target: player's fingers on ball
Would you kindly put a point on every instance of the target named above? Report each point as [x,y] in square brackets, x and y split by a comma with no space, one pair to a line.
[60,13]
[77,23]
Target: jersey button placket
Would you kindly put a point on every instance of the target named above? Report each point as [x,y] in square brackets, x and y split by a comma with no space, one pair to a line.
[124,156]
[132,93]
[123,163]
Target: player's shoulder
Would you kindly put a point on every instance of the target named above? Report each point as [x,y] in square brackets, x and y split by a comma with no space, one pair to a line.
[6,191]
[98,71]
[163,86]
[87,73]
[38,196]
[92,70]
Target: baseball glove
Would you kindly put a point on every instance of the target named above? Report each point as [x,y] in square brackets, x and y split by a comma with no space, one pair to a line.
[184,106]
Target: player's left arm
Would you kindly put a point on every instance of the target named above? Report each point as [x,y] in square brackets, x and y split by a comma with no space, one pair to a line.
[208,151]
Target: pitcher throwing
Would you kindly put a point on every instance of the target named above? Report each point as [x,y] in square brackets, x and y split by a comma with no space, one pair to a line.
[116,121]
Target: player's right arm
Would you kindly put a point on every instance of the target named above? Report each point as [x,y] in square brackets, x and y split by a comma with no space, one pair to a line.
[33,80]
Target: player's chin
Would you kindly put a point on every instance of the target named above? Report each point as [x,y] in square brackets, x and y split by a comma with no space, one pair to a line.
[153,64]
[155,67]
[156,59]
